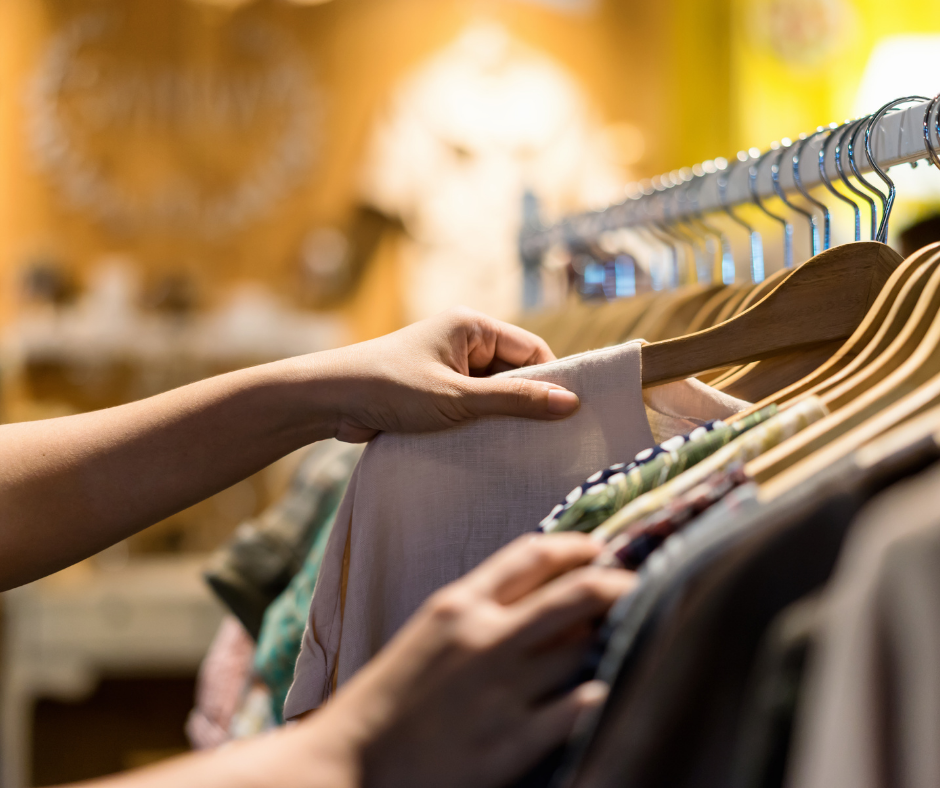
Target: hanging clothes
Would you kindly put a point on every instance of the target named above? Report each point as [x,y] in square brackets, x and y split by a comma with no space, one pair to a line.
[422,510]
[220,685]
[266,552]
[871,705]
[680,658]
[632,548]
[283,628]
[752,443]
[654,468]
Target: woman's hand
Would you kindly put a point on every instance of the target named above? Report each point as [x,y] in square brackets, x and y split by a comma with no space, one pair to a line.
[471,692]
[429,376]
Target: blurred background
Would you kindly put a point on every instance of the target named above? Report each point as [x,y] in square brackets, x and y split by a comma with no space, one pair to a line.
[193,186]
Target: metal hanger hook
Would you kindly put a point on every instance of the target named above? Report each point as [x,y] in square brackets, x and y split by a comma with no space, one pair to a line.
[851,131]
[835,132]
[756,245]
[775,178]
[931,151]
[827,219]
[753,173]
[886,203]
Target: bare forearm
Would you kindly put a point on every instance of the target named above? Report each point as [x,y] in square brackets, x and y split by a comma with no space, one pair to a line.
[73,486]
[70,487]
[313,757]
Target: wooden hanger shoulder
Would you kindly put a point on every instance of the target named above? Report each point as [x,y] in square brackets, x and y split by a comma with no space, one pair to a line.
[726,312]
[912,418]
[677,322]
[761,378]
[854,353]
[912,329]
[758,291]
[904,314]
[651,325]
[708,314]
[911,360]
[860,339]
[730,307]
[823,300]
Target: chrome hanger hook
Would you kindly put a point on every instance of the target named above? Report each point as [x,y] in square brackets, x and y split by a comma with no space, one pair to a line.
[724,245]
[851,130]
[827,219]
[834,130]
[756,245]
[753,172]
[887,204]
[858,175]
[775,178]
[688,218]
[931,151]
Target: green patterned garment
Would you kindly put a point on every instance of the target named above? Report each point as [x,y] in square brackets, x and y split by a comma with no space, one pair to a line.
[284,621]
[596,506]
[282,628]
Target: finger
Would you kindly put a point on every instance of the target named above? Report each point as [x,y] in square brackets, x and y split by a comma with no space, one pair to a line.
[549,670]
[550,725]
[489,339]
[528,562]
[529,399]
[578,598]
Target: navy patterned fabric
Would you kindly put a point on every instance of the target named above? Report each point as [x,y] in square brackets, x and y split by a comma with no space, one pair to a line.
[600,479]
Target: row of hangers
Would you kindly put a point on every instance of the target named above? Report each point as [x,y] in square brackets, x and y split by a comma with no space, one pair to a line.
[865,320]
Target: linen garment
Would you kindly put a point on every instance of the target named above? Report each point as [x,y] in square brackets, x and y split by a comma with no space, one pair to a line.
[422,510]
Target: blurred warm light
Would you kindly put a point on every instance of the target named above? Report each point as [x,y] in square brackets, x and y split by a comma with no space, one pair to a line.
[902,65]
[625,142]
[239,3]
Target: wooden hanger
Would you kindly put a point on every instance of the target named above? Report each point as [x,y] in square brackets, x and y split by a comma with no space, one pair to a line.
[903,424]
[708,314]
[860,341]
[651,324]
[739,373]
[730,308]
[609,320]
[759,379]
[878,358]
[823,300]
[748,384]
[758,291]
[910,361]
[674,320]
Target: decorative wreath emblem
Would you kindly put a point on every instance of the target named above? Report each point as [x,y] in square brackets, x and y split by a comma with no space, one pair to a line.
[141,147]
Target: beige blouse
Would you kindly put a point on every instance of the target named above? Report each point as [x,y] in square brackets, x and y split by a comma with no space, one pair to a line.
[422,510]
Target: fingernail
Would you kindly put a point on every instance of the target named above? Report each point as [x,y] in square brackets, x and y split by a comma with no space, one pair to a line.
[561,402]
[594,692]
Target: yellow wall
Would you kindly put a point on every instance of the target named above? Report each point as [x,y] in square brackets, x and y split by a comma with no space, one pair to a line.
[777,96]
[639,62]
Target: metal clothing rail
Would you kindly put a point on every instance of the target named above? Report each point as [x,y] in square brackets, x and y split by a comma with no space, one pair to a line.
[896,138]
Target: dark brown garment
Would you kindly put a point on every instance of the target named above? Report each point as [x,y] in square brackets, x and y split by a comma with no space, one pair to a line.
[871,716]
[673,717]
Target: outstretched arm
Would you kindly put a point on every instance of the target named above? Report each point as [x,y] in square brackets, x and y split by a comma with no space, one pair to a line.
[72,486]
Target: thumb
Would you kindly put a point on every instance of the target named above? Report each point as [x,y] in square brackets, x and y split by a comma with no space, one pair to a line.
[530,399]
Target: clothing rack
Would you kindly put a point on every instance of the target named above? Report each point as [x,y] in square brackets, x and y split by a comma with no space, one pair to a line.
[896,138]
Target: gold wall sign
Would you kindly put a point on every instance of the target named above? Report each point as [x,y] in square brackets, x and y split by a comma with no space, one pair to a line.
[148,142]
